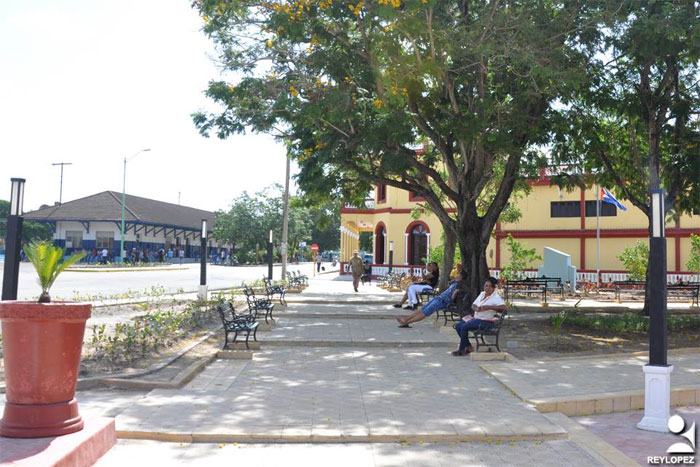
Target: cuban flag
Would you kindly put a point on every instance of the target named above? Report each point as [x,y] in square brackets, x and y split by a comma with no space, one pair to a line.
[607,197]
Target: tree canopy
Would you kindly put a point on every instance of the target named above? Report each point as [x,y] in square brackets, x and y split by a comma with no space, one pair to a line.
[448,99]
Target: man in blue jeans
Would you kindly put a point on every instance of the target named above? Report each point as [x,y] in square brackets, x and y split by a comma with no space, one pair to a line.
[438,303]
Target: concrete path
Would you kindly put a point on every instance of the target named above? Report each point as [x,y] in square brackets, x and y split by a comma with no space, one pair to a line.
[523,453]
[544,379]
[350,394]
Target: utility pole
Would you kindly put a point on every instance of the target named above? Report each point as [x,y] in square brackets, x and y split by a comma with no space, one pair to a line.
[60,193]
[285,219]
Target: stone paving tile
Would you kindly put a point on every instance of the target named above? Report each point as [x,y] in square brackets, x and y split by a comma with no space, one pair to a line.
[545,379]
[383,391]
[526,454]
[620,430]
[354,331]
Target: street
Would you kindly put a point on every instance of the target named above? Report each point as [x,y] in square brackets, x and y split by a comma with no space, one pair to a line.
[97,281]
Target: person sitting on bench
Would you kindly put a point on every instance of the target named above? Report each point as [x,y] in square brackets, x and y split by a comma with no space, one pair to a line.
[485,308]
[438,303]
[429,281]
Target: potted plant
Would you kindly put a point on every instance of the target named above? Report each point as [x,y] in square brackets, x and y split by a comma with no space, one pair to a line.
[42,342]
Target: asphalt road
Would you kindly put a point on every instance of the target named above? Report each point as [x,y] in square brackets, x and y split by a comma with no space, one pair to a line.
[109,283]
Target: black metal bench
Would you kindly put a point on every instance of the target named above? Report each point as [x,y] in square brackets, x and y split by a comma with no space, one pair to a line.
[273,290]
[530,286]
[690,290]
[630,287]
[258,305]
[236,324]
[455,311]
[426,295]
[490,331]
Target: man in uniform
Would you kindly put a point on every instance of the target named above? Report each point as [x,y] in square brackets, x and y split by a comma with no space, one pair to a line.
[356,268]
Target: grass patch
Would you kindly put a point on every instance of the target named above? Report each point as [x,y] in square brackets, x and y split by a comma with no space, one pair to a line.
[627,322]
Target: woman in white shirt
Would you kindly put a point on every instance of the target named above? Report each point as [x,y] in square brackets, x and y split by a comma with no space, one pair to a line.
[485,307]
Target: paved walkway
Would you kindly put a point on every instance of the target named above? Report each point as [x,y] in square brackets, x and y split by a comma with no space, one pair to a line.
[546,379]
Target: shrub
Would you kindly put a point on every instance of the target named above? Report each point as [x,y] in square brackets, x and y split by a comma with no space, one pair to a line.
[635,259]
[521,258]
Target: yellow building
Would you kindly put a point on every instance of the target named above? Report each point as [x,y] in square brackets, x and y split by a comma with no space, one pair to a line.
[565,221]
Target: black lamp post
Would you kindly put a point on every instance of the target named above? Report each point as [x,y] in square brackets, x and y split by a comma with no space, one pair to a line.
[13,240]
[203,262]
[657,374]
[391,255]
[269,257]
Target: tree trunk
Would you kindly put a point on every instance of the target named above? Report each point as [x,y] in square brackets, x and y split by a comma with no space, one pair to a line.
[473,261]
[448,258]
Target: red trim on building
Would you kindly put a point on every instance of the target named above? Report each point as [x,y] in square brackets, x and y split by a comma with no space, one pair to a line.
[582,252]
[377,247]
[677,245]
[381,194]
[415,223]
[591,233]
[583,209]
[414,197]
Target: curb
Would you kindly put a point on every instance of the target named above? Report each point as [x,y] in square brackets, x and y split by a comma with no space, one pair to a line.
[593,445]
[182,378]
[372,344]
[320,439]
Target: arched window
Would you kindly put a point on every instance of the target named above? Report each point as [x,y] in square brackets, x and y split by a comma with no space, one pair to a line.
[379,247]
[418,243]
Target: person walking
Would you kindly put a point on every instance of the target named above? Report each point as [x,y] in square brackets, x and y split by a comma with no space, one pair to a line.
[356,268]
[319,262]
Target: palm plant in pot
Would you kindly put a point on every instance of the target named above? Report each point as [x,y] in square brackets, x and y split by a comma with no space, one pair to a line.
[42,342]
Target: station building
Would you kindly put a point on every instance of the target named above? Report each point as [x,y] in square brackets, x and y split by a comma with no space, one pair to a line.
[551,217]
[94,222]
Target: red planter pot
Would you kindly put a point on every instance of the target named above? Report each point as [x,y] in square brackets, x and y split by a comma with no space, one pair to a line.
[41,345]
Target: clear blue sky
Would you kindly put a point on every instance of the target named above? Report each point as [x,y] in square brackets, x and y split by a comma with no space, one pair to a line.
[90,82]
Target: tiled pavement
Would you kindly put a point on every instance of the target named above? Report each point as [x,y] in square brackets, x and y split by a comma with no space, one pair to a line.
[620,430]
[544,379]
[308,392]
[526,454]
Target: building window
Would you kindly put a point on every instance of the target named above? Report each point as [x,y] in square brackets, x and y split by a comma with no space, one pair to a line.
[381,193]
[565,209]
[105,240]
[606,209]
[412,196]
[418,244]
[74,239]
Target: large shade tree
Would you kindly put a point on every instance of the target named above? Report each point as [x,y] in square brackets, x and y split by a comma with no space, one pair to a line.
[355,88]
[634,127]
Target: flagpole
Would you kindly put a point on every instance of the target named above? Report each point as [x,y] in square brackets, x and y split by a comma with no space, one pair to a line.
[597,216]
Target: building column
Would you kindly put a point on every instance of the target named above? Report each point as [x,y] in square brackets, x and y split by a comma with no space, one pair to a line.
[677,244]
[427,248]
[406,250]
[374,246]
[385,259]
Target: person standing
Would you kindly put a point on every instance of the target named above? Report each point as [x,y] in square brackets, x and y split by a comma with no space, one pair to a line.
[181,254]
[356,268]
[319,262]
[105,253]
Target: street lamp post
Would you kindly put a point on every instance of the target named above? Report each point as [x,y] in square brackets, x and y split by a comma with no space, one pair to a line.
[14,240]
[121,243]
[269,257]
[203,262]
[657,374]
[391,255]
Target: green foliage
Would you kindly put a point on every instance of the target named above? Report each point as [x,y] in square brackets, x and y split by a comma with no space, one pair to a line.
[31,231]
[246,224]
[693,263]
[354,89]
[148,333]
[557,320]
[628,322]
[635,259]
[437,253]
[521,258]
[48,261]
